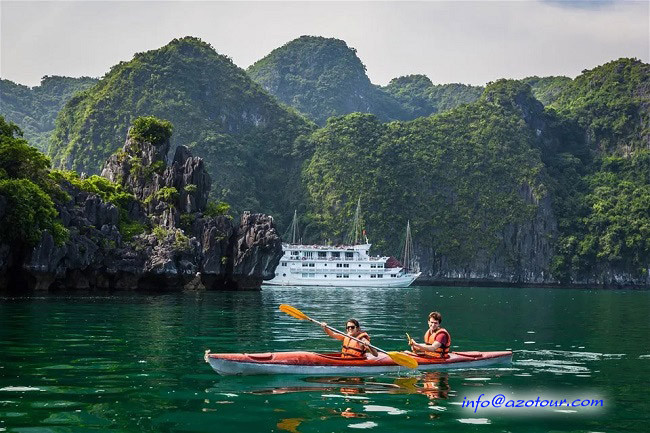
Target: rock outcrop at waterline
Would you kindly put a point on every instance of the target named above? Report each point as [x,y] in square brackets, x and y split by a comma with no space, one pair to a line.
[180,247]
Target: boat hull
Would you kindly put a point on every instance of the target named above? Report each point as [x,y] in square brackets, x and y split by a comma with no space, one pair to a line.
[310,363]
[388,282]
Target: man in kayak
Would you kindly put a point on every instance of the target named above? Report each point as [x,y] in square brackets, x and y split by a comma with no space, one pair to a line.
[436,340]
[352,348]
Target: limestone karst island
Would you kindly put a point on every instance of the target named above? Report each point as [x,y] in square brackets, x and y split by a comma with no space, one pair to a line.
[541,181]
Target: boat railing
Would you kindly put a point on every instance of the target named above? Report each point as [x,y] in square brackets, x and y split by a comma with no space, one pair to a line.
[351,271]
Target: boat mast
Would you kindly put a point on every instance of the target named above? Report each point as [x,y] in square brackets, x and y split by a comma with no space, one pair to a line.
[293,229]
[408,260]
[355,234]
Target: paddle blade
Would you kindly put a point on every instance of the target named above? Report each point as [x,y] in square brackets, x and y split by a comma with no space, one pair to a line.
[294,312]
[403,359]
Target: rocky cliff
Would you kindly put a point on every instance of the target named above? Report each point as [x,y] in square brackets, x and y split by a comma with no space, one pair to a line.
[180,246]
[522,255]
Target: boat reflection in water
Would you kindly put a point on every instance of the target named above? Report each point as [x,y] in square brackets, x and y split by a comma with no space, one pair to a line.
[434,385]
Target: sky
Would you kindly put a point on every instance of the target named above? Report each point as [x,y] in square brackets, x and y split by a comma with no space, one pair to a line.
[471,42]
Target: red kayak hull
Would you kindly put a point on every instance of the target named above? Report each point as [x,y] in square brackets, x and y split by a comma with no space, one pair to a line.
[332,363]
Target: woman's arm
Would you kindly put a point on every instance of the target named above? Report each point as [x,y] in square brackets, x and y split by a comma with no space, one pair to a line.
[369,347]
[330,333]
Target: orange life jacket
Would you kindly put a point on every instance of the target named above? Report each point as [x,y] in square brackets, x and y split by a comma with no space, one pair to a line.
[354,349]
[430,338]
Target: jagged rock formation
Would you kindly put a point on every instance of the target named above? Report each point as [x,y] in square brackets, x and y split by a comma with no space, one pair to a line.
[166,191]
[212,252]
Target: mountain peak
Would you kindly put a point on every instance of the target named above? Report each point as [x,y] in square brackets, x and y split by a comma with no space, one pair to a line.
[322,77]
[410,80]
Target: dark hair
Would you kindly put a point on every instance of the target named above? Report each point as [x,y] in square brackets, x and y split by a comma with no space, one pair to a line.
[355,321]
[435,315]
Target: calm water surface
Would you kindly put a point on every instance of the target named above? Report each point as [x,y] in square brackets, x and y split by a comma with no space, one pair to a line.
[135,362]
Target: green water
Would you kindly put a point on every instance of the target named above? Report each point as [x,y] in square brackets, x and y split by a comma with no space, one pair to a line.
[135,362]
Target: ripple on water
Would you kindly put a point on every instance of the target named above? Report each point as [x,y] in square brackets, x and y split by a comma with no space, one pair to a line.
[474,420]
[57,367]
[388,409]
[12,414]
[54,404]
[554,366]
[350,397]
[367,424]
[20,389]
[76,418]
[580,356]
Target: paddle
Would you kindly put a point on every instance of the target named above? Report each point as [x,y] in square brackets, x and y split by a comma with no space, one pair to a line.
[399,358]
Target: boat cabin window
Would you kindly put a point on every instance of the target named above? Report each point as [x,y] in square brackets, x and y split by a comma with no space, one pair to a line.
[336,254]
[308,254]
[322,254]
[284,263]
[294,253]
[380,276]
[349,255]
[311,265]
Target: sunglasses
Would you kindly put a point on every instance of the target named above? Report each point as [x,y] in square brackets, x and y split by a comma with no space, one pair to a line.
[350,327]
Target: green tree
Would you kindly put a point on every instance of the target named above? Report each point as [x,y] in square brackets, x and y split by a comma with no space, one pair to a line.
[27,209]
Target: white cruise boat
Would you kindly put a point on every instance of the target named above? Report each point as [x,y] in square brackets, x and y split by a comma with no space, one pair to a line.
[341,266]
[337,266]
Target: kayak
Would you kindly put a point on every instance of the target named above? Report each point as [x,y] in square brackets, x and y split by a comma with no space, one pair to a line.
[332,363]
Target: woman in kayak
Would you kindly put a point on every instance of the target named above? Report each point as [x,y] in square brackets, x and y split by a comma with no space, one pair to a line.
[352,348]
[436,340]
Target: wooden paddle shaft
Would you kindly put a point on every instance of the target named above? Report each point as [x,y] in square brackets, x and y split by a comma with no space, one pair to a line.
[349,336]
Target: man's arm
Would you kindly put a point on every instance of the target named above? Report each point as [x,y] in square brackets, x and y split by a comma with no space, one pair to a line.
[425,347]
